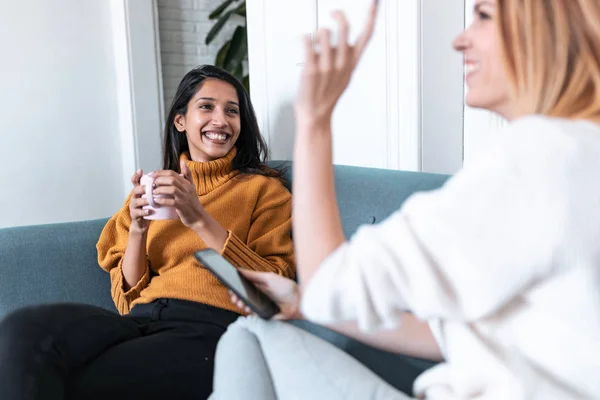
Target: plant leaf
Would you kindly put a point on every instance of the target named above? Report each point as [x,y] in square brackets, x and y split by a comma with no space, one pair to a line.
[246,83]
[238,49]
[214,31]
[241,10]
[238,72]
[216,13]
[220,59]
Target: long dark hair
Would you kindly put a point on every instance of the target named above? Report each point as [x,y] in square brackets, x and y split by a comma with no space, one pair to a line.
[252,151]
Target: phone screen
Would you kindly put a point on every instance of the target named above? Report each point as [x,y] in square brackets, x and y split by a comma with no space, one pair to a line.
[233,280]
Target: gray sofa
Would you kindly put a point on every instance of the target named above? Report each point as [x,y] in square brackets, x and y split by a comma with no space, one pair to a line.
[57,263]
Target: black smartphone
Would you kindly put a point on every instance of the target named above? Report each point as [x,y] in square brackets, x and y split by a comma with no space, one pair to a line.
[258,302]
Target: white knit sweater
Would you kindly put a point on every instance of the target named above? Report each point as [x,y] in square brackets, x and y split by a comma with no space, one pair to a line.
[503,261]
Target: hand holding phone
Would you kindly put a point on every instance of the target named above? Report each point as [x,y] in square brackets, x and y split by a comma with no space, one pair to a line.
[237,283]
[285,292]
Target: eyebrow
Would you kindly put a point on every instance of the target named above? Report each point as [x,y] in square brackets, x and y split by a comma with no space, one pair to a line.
[212,99]
[484,3]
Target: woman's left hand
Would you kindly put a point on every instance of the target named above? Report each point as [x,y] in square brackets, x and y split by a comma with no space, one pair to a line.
[183,194]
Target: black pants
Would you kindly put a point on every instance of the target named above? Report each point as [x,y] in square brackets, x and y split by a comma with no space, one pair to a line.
[162,350]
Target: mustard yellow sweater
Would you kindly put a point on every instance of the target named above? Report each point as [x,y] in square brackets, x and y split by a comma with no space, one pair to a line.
[254,209]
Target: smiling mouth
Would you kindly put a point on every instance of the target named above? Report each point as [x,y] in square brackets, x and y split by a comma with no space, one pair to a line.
[471,67]
[216,137]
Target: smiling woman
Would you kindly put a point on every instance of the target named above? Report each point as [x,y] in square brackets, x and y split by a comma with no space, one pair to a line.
[173,310]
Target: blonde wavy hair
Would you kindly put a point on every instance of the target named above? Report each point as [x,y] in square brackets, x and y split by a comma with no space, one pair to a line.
[551,51]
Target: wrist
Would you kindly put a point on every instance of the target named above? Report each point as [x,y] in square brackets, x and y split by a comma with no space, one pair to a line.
[202,222]
[211,232]
[313,124]
[138,235]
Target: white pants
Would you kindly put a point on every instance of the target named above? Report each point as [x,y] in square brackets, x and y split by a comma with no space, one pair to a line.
[271,360]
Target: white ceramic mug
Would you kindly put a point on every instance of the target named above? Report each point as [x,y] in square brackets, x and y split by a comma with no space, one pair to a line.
[157,211]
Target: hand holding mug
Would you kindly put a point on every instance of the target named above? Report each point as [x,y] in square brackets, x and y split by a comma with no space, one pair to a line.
[178,192]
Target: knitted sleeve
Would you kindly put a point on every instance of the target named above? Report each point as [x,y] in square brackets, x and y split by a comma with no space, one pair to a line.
[111,250]
[269,245]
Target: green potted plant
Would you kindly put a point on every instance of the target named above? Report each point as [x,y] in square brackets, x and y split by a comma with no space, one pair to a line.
[234,53]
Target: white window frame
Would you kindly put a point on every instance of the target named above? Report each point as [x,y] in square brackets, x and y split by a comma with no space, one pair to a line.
[139,77]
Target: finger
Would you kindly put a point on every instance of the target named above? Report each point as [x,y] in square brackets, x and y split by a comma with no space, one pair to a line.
[135,178]
[163,173]
[165,202]
[240,304]
[140,213]
[343,47]
[326,51]
[138,191]
[257,278]
[177,180]
[367,33]
[310,57]
[168,190]
[139,202]
[185,171]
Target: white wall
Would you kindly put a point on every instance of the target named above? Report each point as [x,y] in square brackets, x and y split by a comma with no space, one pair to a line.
[59,137]
[403,109]
[183,25]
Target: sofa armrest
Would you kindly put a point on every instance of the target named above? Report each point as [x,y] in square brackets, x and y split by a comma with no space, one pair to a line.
[52,263]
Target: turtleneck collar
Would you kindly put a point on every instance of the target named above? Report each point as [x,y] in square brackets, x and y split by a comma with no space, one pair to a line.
[210,174]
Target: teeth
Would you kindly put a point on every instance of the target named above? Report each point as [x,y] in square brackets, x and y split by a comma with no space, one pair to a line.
[216,136]
[471,68]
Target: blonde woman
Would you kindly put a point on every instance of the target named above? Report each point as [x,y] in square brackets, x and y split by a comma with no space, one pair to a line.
[502,263]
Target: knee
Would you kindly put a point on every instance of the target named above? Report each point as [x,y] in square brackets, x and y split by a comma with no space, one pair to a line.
[236,332]
[19,325]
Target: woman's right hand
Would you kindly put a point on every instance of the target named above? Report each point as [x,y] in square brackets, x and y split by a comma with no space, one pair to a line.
[139,225]
[283,291]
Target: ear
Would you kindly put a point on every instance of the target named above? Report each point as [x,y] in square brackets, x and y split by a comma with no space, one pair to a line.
[179,122]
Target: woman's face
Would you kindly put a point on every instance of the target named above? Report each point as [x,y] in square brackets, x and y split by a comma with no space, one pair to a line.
[485,75]
[212,121]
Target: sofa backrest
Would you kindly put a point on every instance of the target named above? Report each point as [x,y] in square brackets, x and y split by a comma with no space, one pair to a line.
[369,195]
[52,263]
[58,262]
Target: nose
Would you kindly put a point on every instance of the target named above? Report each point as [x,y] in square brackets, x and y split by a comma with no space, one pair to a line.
[218,118]
[462,42]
